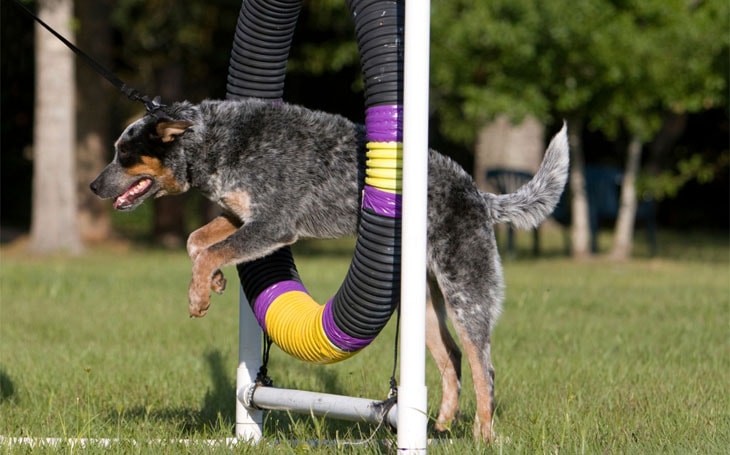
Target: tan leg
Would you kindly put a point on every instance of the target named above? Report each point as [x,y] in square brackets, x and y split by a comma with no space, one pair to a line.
[220,228]
[246,243]
[215,231]
[483,377]
[447,356]
[206,270]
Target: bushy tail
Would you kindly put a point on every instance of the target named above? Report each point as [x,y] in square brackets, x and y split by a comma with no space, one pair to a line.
[534,201]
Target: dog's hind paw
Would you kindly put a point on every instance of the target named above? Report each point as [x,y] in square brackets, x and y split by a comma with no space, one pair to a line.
[218,283]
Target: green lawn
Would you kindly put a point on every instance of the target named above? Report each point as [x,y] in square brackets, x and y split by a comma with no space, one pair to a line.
[594,357]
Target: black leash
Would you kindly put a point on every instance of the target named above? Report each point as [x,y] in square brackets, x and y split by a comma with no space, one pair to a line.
[133,94]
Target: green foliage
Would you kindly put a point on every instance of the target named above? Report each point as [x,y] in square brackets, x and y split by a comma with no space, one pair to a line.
[695,167]
[325,40]
[621,65]
[484,62]
[195,36]
[670,63]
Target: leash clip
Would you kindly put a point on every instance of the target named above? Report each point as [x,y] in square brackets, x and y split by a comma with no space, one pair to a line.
[134,95]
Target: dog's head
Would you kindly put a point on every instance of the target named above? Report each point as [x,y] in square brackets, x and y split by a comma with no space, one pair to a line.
[148,161]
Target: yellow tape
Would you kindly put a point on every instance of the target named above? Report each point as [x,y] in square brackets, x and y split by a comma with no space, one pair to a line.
[391,174]
[383,166]
[389,185]
[294,323]
[388,163]
[385,150]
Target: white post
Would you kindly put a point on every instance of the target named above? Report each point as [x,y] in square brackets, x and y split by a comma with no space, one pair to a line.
[412,393]
[249,422]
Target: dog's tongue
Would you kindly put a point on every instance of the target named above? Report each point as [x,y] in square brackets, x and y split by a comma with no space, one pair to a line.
[128,197]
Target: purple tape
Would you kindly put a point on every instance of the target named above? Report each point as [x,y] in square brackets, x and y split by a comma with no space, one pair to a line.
[337,336]
[384,123]
[264,300]
[381,202]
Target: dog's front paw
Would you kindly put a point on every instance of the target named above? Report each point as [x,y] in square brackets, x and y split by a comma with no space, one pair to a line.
[218,282]
[198,300]
[198,309]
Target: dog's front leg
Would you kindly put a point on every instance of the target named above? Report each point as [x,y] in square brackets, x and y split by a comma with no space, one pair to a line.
[251,241]
[220,228]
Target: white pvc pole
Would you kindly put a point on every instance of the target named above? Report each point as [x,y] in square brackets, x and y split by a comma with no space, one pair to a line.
[316,403]
[412,393]
[249,421]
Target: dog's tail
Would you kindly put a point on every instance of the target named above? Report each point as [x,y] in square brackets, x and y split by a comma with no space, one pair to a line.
[534,201]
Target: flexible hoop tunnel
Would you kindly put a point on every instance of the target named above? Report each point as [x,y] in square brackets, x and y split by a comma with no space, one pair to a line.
[260,48]
[362,306]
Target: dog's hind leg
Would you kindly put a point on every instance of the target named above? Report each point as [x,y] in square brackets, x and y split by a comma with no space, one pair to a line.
[474,335]
[215,231]
[447,356]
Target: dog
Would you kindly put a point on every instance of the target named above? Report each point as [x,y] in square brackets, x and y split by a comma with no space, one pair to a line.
[281,172]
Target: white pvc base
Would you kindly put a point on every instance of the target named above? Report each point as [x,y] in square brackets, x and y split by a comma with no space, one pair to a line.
[317,404]
[251,400]
[249,421]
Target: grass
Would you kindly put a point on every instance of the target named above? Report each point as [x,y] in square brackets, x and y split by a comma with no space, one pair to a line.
[594,357]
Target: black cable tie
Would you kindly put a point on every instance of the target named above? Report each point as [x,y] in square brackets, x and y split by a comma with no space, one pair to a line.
[384,408]
[261,377]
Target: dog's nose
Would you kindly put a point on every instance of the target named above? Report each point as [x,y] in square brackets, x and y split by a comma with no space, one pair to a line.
[94,187]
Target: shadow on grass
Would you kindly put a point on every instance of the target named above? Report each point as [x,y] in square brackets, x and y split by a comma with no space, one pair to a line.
[218,410]
[219,406]
[217,413]
[7,387]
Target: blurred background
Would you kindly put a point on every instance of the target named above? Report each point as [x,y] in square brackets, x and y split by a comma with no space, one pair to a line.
[642,85]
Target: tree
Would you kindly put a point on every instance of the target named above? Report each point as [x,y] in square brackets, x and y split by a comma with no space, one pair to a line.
[615,67]
[53,220]
[515,58]
[666,83]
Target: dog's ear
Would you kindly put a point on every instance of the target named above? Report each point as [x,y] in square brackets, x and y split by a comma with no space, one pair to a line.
[167,129]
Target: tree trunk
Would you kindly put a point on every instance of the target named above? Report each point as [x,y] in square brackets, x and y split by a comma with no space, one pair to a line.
[53,219]
[94,145]
[624,232]
[580,232]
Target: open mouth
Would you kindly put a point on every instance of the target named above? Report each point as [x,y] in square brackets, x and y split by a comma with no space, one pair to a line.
[128,199]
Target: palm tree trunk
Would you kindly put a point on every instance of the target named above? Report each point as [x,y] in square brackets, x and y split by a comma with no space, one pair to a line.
[53,220]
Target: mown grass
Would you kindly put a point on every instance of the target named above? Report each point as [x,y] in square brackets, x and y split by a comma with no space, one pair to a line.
[593,357]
